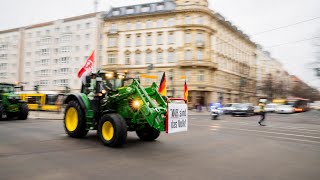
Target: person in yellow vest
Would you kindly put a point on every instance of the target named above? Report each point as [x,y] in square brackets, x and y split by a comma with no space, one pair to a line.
[262,112]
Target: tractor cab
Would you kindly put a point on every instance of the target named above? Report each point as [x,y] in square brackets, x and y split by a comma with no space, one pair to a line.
[102,82]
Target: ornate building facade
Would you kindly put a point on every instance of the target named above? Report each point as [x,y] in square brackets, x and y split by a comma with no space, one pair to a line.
[189,42]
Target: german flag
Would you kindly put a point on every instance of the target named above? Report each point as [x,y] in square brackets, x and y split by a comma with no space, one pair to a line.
[163,85]
[186,93]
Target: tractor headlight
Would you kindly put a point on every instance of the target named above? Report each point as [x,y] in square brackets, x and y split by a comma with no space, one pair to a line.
[136,104]
[103,91]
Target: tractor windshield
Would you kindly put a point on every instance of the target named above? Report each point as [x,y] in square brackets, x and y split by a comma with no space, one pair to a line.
[4,88]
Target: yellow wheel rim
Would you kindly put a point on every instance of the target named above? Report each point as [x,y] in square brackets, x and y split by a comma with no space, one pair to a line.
[107,130]
[71,119]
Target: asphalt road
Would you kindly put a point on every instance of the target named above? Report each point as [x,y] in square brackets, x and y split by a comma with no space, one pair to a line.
[229,148]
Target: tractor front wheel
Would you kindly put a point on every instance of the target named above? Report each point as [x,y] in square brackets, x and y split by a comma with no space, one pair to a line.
[148,133]
[24,111]
[74,120]
[112,130]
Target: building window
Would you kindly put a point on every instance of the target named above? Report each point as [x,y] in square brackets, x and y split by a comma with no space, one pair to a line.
[171,22]
[149,57]
[138,59]
[201,76]
[64,60]
[188,55]
[44,62]
[187,20]
[66,38]
[45,51]
[116,12]
[88,25]
[87,47]
[200,20]
[200,55]
[111,59]
[112,42]
[113,27]
[188,38]
[149,24]
[129,26]
[128,41]
[160,39]
[129,11]
[138,40]
[149,39]
[200,37]
[159,57]
[171,56]
[160,7]
[188,75]
[145,9]
[171,39]
[77,48]
[78,37]
[159,76]
[78,26]
[44,41]
[67,28]
[160,23]
[65,49]
[139,25]
[87,36]
[128,59]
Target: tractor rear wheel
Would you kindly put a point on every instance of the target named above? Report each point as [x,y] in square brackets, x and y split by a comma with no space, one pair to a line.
[24,111]
[74,120]
[148,133]
[1,111]
[112,130]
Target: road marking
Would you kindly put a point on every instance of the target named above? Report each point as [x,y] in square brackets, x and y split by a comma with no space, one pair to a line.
[289,128]
[281,127]
[303,140]
[270,132]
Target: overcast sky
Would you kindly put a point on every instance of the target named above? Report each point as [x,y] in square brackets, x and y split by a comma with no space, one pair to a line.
[251,16]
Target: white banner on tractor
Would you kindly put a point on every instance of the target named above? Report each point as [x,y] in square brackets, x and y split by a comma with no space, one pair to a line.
[177,118]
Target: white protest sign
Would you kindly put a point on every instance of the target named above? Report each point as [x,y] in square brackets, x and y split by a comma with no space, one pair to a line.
[177,118]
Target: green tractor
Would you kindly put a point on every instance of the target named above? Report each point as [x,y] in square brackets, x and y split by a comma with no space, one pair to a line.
[113,104]
[11,105]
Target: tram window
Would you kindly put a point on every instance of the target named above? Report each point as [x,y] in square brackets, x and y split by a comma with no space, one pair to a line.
[33,99]
[51,99]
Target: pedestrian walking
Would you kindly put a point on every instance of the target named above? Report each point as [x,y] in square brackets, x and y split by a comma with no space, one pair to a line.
[262,112]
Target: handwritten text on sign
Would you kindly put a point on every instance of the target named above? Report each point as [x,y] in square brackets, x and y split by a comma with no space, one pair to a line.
[177,117]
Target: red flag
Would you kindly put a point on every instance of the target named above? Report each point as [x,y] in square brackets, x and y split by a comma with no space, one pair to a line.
[186,92]
[163,85]
[87,68]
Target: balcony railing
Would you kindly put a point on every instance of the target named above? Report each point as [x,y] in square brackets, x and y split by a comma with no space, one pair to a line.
[197,63]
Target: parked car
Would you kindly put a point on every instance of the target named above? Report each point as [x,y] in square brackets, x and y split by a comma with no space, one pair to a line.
[285,109]
[229,108]
[270,107]
[245,109]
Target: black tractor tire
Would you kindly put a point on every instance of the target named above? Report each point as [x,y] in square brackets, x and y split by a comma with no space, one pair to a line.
[1,111]
[112,130]
[24,111]
[74,120]
[148,133]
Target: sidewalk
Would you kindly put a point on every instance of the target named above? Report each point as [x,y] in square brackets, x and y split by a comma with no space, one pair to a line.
[59,116]
[46,115]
